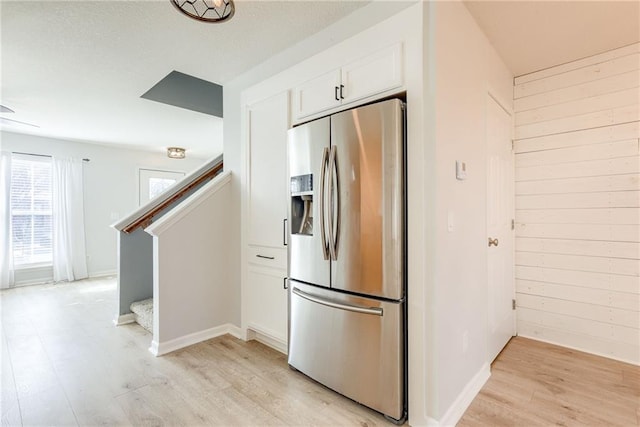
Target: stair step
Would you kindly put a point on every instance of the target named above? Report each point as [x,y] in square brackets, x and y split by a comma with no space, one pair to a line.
[143,311]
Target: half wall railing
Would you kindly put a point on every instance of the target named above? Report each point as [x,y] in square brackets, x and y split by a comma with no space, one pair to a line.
[135,260]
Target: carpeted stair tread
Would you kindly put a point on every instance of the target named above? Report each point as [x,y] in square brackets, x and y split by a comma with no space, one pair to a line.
[144,313]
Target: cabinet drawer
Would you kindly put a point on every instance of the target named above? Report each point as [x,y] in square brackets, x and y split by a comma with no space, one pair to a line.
[268,257]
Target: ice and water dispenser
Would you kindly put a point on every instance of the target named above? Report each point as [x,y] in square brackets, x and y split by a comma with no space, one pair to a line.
[302,204]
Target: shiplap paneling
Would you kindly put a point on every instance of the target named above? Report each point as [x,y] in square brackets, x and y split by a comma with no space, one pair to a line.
[629,250]
[620,216]
[614,349]
[577,204]
[604,297]
[599,167]
[620,199]
[581,326]
[585,279]
[621,266]
[608,117]
[609,150]
[589,73]
[581,63]
[602,232]
[586,90]
[590,184]
[579,106]
[582,310]
[622,132]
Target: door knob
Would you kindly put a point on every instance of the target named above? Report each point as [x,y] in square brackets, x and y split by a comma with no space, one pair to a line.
[493,242]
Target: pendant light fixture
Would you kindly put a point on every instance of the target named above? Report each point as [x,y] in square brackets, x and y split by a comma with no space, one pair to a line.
[206,10]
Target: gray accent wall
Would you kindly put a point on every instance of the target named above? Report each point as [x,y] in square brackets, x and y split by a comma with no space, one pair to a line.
[135,265]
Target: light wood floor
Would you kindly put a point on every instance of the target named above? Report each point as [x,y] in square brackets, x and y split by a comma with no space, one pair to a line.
[64,363]
[537,384]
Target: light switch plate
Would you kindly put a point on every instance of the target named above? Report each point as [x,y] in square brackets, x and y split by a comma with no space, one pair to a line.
[461,170]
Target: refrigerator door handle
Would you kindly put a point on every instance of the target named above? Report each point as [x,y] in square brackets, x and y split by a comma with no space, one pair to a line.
[334,223]
[375,311]
[323,231]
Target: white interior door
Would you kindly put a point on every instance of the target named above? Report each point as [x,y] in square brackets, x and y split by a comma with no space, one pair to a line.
[500,239]
[153,182]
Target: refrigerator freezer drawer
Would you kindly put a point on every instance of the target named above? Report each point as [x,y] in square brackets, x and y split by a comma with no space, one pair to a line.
[351,344]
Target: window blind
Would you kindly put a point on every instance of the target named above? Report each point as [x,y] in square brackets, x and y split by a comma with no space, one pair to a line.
[31,225]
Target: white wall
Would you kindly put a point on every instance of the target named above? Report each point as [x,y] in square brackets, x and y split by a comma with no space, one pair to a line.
[465,69]
[110,188]
[578,204]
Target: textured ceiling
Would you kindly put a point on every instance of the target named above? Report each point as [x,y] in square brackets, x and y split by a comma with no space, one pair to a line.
[533,35]
[77,69]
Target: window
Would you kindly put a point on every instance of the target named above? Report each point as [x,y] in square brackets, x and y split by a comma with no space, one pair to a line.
[154,182]
[158,185]
[30,206]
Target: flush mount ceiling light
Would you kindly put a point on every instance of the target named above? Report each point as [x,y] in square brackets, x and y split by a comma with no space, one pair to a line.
[206,10]
[176,153]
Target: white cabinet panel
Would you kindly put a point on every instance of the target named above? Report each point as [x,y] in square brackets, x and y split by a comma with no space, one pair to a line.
[264,299]
[268,125]
[318,94]
[266,303]
[373,74]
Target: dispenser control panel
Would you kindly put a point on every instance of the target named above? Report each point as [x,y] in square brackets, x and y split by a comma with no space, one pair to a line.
[302,184]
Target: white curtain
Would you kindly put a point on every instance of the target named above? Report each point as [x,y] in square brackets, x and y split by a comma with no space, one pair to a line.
[69,257]
[6,259]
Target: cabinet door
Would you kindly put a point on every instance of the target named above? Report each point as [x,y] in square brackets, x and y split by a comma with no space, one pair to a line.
[268,125]
[372,74]
[317,95]
[266,303]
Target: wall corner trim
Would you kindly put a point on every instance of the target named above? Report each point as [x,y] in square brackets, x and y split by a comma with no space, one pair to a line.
[464,399]
[161,348]
[124,319]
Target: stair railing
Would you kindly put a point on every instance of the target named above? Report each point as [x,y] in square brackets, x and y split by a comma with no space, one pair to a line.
[144,216]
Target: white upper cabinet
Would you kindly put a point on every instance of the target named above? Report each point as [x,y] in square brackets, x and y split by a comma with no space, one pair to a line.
[267,171]
[373,74]
[319,94]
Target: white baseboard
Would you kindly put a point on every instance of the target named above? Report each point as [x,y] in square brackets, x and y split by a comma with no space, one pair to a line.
[161,348]
[470,391]
[100,274]
[425,421]
[266,338]
[123,319]
[271,342]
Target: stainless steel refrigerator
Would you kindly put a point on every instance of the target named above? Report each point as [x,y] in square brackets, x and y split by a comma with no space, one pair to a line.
[347,305]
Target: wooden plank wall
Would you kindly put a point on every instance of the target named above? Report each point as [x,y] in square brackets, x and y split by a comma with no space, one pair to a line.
[577,157]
